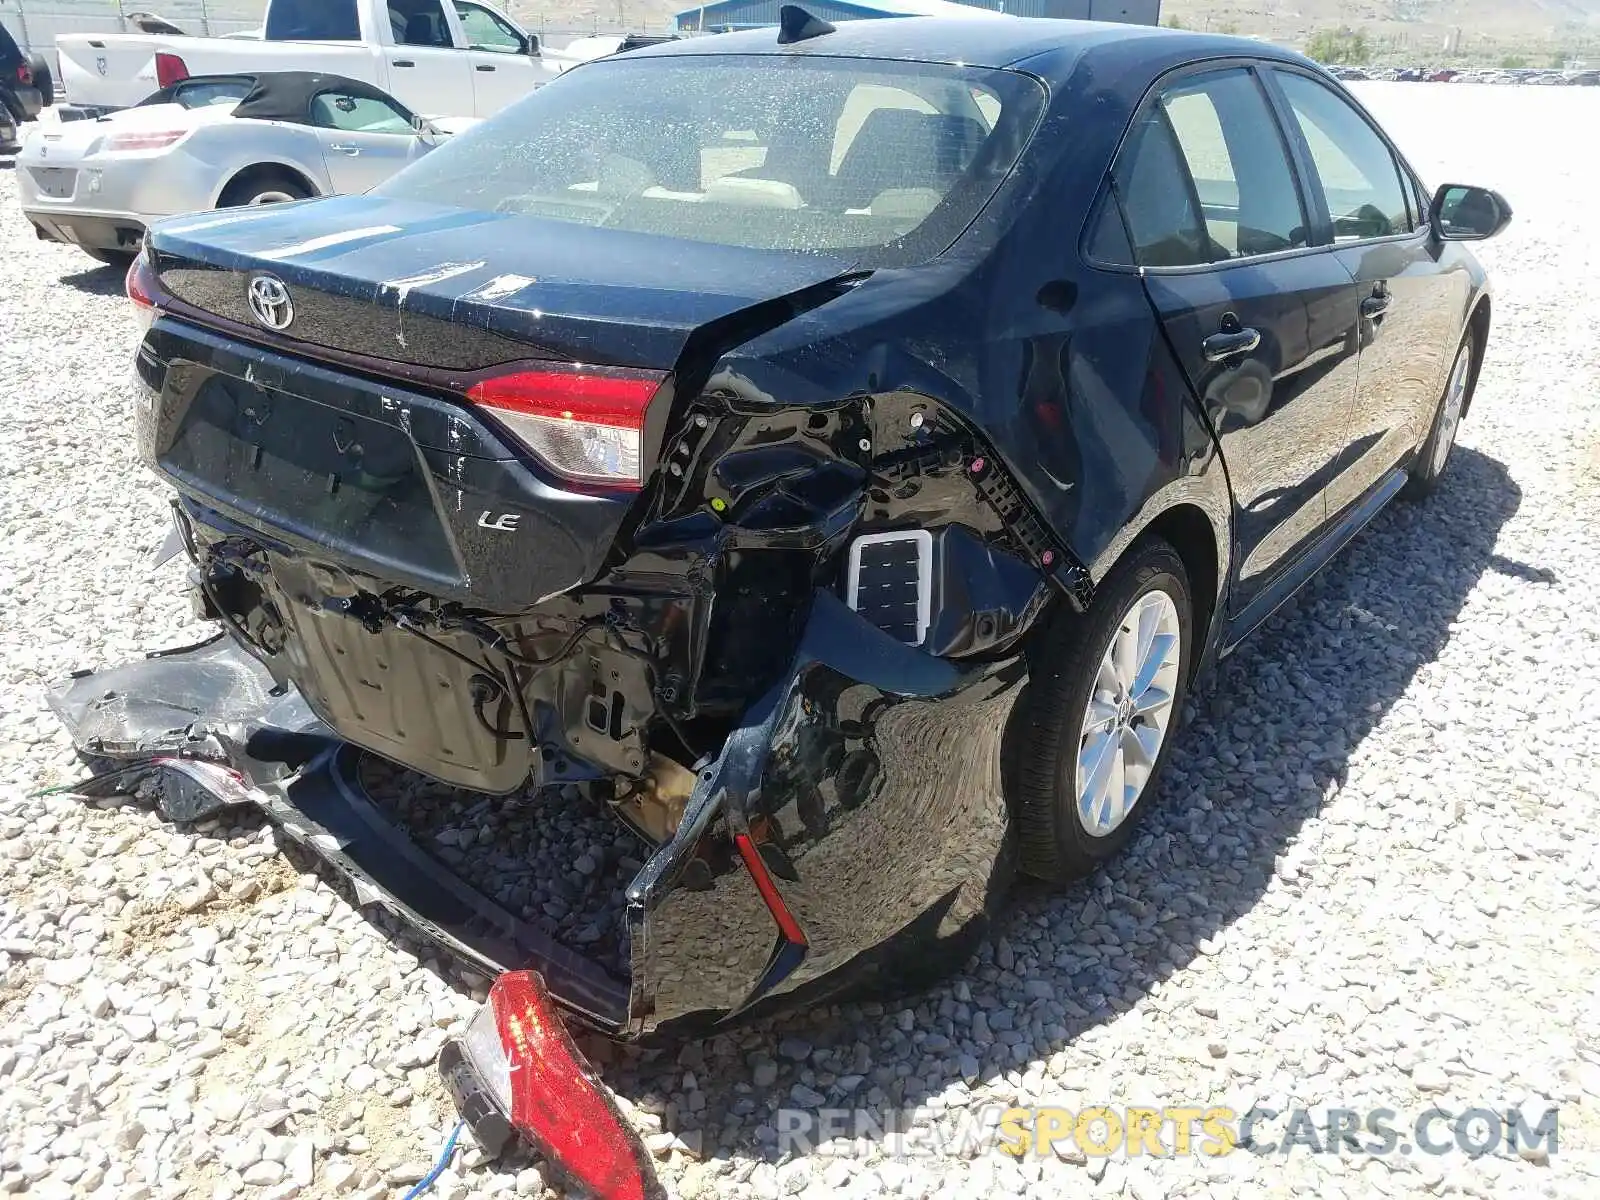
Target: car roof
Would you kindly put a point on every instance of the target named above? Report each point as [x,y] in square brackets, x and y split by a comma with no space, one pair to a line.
[992,41]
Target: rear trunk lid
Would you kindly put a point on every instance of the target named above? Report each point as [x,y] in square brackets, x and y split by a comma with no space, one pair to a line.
[454,290]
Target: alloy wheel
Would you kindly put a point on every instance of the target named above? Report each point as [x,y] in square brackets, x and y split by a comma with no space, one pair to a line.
[1129,711]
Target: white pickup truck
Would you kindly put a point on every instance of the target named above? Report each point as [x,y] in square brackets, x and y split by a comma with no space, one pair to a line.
[448,58]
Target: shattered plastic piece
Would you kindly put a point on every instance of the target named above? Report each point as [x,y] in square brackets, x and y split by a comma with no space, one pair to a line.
[204,727]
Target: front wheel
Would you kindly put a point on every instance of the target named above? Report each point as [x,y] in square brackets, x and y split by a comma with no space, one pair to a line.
[1434,456]
[43,79]
[1104,697]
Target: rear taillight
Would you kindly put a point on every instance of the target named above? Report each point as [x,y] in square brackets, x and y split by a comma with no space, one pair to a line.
[149,139]
[586,424]
[170,69]
[521,1051]
[143,289]
[24,74]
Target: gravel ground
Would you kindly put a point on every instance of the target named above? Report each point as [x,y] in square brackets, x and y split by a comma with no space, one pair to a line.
[1371,881]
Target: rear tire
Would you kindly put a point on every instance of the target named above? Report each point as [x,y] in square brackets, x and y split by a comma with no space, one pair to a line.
[43,79]
[262,187]
[1103,705]
[1434,457]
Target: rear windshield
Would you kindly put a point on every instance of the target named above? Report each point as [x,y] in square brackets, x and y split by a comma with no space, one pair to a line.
[885,162]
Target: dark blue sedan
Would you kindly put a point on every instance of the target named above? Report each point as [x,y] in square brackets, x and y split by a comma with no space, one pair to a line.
[837,450]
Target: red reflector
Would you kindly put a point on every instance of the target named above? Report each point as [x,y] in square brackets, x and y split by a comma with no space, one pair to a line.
[757,866]
[584,423]
[170,69]
[556,1101]
[143,288]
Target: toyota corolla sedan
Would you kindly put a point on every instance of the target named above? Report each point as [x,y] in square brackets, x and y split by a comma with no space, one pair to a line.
[838,450]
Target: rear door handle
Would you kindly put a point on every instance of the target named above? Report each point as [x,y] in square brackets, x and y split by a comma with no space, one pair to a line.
[1374,306]
[1220,347]
[345,148]
[485,67]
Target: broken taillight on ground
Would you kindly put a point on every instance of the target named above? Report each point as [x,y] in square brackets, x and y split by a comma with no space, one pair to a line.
[518,1065]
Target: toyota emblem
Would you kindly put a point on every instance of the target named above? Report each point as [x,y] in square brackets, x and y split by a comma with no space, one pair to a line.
[270,303]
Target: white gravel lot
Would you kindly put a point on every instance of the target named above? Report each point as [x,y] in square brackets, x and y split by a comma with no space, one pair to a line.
[1371,881]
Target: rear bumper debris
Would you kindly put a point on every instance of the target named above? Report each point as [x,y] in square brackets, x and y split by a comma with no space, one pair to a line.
[517,1070]
[203,728]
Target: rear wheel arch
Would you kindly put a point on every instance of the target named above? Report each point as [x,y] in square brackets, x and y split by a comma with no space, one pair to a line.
[1478,323]
[1193,516]
[1189,531]
[256,173]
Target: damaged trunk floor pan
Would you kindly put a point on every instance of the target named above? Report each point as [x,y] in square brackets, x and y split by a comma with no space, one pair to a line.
[546,854]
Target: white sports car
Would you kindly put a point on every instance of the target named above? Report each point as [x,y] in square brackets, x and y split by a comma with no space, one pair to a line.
[218,141]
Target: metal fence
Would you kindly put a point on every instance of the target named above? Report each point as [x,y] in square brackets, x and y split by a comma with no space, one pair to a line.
[35,23]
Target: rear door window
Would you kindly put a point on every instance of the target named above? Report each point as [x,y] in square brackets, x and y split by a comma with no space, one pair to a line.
[1240,167]
[1204,176]
[1360,177]
[419,23]
[313,20]
[1163,217]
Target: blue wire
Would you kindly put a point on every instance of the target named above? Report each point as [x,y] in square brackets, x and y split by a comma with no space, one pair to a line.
[426,1181]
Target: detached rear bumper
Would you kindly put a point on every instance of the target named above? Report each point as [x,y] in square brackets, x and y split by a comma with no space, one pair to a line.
[204,729]
[853,822]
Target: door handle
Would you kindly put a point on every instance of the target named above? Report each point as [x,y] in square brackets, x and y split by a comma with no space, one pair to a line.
[1374,306]
[404,62]
[1230,343]
[485,67]
[345,148]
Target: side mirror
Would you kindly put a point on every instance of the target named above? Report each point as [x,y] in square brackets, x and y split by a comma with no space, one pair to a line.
[1462,213]
[531,45]
[425,130]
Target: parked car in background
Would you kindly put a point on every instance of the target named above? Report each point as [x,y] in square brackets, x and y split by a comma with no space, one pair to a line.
[456,58]
[19,90]
[587,49]
[213,142]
